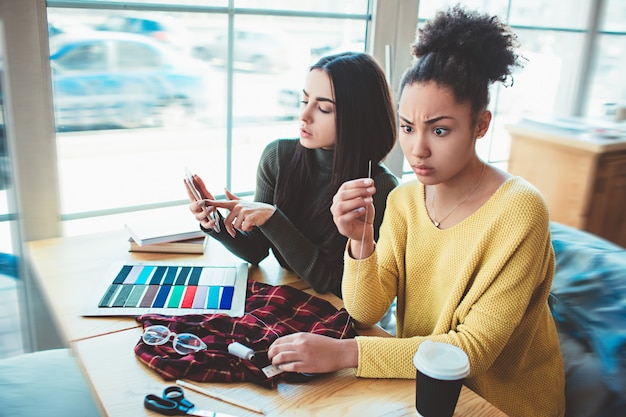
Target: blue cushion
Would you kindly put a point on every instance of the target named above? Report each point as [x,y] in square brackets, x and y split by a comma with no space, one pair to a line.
[44,383]
[590,291]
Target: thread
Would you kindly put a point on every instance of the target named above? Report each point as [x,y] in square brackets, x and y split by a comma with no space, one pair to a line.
[241,351]
[358,264]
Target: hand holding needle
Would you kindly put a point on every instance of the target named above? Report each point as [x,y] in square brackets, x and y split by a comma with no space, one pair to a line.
[353,214]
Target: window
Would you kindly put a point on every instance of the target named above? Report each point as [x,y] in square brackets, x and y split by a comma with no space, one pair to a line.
[163,90]
[122,137]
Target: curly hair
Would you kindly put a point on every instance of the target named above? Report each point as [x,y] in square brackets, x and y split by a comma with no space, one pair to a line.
[465,51]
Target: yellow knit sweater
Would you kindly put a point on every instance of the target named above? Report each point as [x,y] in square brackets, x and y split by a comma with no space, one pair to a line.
[481,285]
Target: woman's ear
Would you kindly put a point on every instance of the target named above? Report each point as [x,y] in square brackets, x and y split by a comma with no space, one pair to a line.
[482,124]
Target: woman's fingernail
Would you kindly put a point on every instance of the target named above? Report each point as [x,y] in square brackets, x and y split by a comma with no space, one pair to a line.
[367,181]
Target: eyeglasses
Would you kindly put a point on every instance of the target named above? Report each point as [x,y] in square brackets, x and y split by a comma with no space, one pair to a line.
[183,343]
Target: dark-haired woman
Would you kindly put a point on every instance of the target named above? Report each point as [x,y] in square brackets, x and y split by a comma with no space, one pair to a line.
[465,248]
[347,120]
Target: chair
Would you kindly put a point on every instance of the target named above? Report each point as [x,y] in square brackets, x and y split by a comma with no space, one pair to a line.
[44,383]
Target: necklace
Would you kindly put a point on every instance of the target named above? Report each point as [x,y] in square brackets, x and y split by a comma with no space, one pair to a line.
[438,222]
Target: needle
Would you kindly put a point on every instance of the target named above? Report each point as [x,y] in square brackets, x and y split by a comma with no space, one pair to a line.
[369,175]
[358,262]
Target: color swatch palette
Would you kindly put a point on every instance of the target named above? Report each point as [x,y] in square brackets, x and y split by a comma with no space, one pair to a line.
[171,288]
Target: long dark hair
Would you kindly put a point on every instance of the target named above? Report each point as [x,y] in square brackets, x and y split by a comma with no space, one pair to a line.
[366,130]
[464,51]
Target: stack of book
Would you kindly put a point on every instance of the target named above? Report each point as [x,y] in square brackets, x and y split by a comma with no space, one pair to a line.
[195,245]
[176,234]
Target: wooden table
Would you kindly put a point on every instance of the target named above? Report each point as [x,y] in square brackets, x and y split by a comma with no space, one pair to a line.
[68,266]
[104,345]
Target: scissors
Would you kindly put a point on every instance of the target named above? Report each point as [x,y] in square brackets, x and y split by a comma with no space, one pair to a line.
[174,403]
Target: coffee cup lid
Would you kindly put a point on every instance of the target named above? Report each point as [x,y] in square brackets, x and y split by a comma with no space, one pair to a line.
[441,360]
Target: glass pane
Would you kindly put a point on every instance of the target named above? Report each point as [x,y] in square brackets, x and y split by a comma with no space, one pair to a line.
[571,14]
[212,3]
[331,6]
[607,92]
[541,89]
[427,9]
[608,84]
[614,18]
[134,107]
[266,100]
[548,13]
[544,86]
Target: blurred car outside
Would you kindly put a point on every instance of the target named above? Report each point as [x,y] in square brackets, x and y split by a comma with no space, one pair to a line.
[164,29]
[112,79]
[254,50]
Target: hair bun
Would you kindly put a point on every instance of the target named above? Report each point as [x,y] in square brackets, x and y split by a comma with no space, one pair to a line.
[480,40]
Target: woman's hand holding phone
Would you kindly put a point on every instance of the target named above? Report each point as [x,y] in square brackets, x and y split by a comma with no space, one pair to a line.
[197,192]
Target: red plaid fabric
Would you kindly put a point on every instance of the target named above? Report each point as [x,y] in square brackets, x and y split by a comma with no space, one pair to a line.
[271,311]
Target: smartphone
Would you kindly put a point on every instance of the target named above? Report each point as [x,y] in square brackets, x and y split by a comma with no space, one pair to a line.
[213,214]
[191,185]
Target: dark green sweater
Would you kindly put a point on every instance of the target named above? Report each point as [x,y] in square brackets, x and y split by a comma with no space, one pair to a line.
[296,251]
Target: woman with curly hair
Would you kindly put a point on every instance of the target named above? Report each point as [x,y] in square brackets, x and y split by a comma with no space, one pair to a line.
[465,247]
